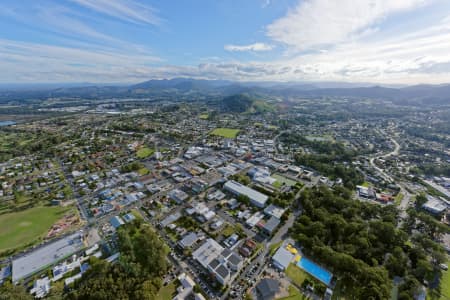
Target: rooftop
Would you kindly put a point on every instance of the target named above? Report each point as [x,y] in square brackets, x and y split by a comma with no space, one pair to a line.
[49,254]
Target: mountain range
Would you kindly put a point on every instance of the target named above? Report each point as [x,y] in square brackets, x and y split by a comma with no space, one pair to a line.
[417,94]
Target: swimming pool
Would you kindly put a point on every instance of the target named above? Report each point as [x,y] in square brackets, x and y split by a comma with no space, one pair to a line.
[315,270]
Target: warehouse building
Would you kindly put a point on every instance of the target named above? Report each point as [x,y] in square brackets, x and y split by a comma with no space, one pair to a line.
[256,198]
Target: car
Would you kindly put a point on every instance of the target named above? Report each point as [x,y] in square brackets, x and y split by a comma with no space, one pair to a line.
[443,267]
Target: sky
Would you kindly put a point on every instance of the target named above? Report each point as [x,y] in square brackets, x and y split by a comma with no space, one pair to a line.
[128,41]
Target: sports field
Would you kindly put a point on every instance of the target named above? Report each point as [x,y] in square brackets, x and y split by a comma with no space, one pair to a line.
[229,133]
[282,180]
[145,152]
[24,227]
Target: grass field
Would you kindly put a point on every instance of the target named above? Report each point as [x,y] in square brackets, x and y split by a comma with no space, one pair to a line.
[445,284]
[24,227]
[296,274]
[274,247]
[281,179]
[167,292]
[229,133]
[227,231]
[144,152]
[294,294]
[398,199]
[204,116]
[143,171]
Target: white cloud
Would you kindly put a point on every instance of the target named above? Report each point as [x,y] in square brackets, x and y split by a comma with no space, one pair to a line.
[251,47]
[317,23]
[129,11]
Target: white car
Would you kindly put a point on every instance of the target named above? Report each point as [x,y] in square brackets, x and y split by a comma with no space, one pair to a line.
[443,267]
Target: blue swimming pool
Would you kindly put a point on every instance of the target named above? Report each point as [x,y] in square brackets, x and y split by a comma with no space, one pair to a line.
[315,270]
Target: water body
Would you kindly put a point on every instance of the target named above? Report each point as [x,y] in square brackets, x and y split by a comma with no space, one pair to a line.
[7,123]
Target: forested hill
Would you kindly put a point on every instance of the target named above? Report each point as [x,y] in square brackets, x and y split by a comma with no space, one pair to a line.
[243,103]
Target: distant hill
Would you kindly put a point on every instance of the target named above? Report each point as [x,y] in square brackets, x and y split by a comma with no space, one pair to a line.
[410,95]
[243,103]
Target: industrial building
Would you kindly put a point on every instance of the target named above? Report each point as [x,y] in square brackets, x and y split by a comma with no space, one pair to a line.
[256,198]
[43,257]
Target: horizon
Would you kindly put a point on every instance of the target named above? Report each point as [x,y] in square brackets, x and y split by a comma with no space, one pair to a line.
[405,42]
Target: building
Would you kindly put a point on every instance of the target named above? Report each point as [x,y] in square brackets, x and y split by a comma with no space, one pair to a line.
[178,195]
[43,257]
[254,219]
[222,263]
[256,198]
[282,258]
[267,288]
[434,205]
[116,222]
[41,287]
[271,225]
[188,240]
[186,288]
[274,211]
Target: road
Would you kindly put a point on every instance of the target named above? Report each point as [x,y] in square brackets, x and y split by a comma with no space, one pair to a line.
[403,206]
[394,152]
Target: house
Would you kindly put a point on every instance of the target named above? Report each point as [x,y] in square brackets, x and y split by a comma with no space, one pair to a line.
[268,288]
[178,195]
[188,240]
[186,288]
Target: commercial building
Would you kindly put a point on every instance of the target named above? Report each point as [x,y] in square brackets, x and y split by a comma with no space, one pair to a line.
[434,205]
[222,263]
[271,225]
[256,198]
[282,258]
[274,211]
[43,257]
[116,221]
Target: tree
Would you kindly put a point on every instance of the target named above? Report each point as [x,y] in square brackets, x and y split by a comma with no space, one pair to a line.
[9,291]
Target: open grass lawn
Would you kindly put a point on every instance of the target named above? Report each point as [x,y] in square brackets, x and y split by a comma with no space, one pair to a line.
[281,179]
[445,284]
[167,292]
[204,116]
[274,247]
[21,228]
[296,274]
[294,294]
[228,230]
[144,152]
[143,171]
[225,132]
[398,199]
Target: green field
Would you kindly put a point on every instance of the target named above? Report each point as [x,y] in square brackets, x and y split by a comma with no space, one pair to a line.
[274,247]
[229,133]
[143,171]
[398,199]
[167,292]
[281,179]
[445,284]
[294,294]
[204,116]
[296,274]
[144,152]
[24,227]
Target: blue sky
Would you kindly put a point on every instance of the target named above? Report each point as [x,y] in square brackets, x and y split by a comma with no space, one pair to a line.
[121,41]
